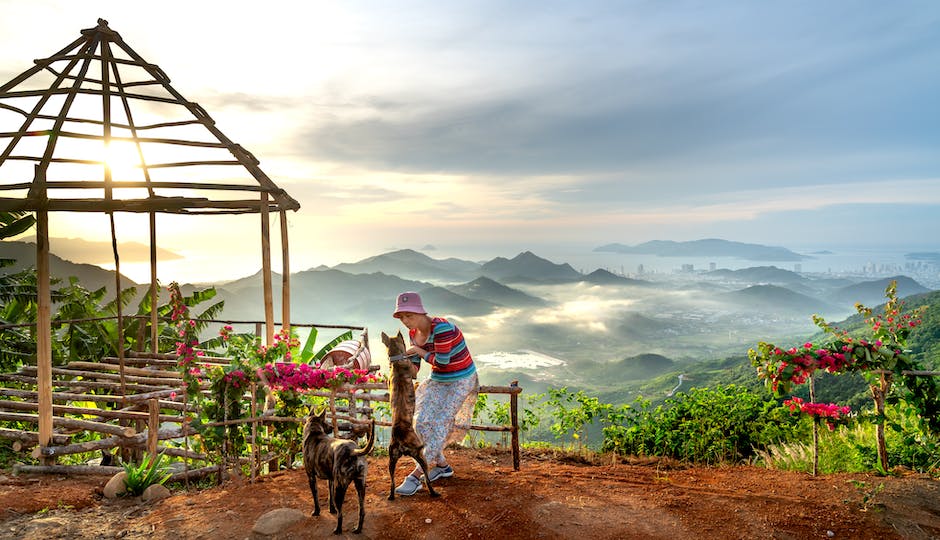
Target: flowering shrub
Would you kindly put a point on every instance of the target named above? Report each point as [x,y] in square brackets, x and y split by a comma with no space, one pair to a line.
[830,413]
[219,389]
[300,377]
[883,350]
[784,368]
[879,356]
[186,341]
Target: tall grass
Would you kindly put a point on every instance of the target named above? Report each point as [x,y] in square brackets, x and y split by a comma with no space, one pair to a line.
[847,449]
[853,448]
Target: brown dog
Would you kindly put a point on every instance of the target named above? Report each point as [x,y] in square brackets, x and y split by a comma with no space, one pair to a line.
[404,440]
[339,461]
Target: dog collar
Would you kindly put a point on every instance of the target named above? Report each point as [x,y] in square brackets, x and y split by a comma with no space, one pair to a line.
[398,357]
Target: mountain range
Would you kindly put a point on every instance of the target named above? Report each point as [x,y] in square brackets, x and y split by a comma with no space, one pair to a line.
[709,247]
[528,302]
[91,277]
[353,290]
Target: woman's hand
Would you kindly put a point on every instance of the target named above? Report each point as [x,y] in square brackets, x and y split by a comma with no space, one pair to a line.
[417,350]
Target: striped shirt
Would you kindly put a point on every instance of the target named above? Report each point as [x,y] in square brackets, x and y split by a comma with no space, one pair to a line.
[447,351]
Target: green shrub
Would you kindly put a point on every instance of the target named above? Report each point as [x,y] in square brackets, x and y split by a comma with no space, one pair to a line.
[706,425]
[908,444]
[150,471]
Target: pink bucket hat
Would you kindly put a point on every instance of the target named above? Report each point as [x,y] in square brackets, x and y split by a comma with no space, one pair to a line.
[408,302]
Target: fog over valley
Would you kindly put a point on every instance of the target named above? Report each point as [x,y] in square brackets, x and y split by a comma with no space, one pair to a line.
[546,323]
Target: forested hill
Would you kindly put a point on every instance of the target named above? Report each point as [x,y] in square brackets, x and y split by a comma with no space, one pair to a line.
[852,390]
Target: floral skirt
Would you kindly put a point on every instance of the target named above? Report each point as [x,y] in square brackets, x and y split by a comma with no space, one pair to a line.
[443,411]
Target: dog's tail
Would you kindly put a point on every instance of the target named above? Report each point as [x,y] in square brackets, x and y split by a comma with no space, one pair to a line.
[370,444]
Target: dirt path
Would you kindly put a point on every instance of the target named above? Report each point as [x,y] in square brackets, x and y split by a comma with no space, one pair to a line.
[551,497]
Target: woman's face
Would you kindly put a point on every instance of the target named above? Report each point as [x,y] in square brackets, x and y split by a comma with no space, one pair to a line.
[410,320]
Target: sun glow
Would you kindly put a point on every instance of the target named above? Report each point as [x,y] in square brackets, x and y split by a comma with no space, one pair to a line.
[123,159]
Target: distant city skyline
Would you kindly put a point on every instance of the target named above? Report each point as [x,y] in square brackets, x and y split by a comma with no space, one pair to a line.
[491,128]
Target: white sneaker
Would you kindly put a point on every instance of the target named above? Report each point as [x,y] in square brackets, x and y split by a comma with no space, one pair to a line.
[436,473]
[409,487]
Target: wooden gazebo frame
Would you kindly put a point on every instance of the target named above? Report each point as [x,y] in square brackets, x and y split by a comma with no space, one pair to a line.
[75,106]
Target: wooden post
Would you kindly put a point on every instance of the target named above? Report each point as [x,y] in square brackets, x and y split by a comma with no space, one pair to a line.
[285,274]
[154,295]
[879,393]
[266,270]
[270,402]
[333,412]
[117,284]
[255,464]
[514,417]
[812,399]
[43,330]
[153,428]
[185,425]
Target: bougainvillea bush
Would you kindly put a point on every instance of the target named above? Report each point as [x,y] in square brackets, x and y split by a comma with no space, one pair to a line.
[878,352]
[239,368]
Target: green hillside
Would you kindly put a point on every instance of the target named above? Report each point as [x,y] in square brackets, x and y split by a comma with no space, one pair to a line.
[848,389]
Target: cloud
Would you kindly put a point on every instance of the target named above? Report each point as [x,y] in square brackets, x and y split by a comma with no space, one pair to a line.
[703,104]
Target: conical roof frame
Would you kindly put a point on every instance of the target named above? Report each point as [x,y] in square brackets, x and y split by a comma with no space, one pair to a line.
[96,128]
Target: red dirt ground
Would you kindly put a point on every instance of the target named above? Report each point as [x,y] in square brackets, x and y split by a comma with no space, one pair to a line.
[553,496]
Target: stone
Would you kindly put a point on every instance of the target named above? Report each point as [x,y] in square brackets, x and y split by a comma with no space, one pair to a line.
[155,492]
[277,520]
[115,486]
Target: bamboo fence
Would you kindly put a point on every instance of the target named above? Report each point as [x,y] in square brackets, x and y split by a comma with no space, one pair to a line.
[93,413]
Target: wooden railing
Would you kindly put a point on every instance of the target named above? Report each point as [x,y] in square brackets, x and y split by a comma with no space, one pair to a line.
[148,393]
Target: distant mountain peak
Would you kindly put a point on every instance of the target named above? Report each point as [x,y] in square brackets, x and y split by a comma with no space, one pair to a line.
[529,266]
[606,277]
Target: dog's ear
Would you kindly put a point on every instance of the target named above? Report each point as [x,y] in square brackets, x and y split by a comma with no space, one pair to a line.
[386,339]
[399,337]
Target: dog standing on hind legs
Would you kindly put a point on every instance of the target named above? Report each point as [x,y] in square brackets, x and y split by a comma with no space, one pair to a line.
[339,461]
[404,440]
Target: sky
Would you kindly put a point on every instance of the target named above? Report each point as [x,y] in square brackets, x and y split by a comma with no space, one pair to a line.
[489,128]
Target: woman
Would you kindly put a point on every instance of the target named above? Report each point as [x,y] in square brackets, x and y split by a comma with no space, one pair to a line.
[444,402]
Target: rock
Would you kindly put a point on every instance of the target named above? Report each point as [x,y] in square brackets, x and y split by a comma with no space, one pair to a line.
[277,520]
[155,492]
[115,486]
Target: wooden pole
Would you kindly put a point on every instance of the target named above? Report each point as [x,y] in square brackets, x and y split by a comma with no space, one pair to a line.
[120,316]
[812,399]
[514,417]
[269,402]
[266,270]
[154,296]
[43,330]
[255,464]
[879,393]
[285,274]
[333,412]
[153,428]
[106,135]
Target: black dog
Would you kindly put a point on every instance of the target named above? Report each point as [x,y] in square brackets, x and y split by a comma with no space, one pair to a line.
[404,440]
[340,462]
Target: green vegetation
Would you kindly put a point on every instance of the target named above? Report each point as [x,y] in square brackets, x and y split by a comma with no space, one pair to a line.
[150,471]
[716,422]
